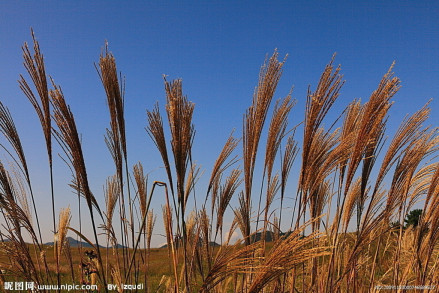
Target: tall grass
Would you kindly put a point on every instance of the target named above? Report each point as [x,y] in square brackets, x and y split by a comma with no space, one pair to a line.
[352,184]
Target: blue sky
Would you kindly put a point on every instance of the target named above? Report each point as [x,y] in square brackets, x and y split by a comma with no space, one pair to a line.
[217,49]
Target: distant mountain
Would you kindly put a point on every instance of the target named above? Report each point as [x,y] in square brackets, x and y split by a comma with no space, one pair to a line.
[75,243]
[211,243]
[269,236]
[255,237]
[119,246]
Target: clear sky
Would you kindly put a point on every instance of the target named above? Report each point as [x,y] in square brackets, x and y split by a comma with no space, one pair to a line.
[217,49]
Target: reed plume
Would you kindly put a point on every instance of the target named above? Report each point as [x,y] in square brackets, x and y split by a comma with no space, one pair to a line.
[318,104]
[61,233]
[229,260]
[142,184]
[370,132]
[427,235]
[36,70]
[226,193]
[8,129]
[285,254]
[35,67]
[191,180]
[289,155]
[157,134]
[219,167]
[242,217]
[68,137]
[111,192]
[273,188]
[16,219]
[220,164]
[407,131]
[115,95]
[276,132]
[180,112]
[149,227]
[116,137]
[254,120]
[17,181]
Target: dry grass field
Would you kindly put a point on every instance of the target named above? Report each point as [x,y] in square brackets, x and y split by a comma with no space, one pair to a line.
[157,268]
[346,233]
